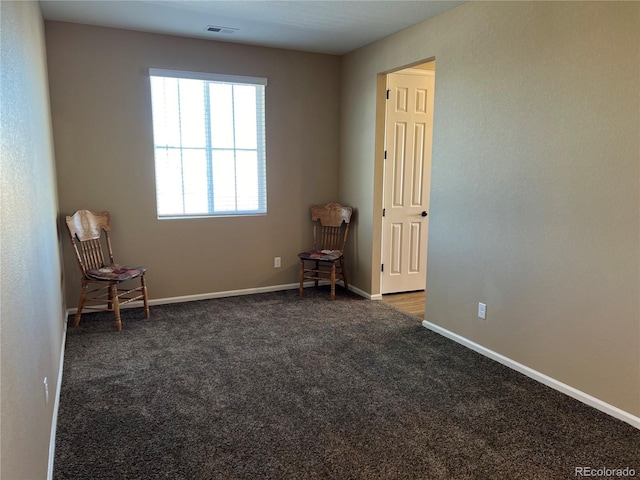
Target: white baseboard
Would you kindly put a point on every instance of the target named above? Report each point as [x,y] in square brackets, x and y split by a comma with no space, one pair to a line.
[364,294]
[540,377]
[56,403]
[227,293]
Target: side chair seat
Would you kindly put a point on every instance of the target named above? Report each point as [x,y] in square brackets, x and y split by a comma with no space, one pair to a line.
[327,255]
[118,273]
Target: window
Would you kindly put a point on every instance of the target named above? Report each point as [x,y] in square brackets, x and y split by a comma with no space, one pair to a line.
[208,132]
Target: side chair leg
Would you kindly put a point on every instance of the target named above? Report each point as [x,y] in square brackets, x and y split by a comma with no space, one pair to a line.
[145,299]
[113,288]
[317,272]
[83,296]
[110,302]
[333,280]
[344,274]
[301,277]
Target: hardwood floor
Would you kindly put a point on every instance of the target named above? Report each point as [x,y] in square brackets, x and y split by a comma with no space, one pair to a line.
[410,302]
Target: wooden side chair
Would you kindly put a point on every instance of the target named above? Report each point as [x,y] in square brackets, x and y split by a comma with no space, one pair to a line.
[101,276]
[325,261]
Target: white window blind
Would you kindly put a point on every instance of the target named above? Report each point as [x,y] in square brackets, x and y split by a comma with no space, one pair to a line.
[209,144]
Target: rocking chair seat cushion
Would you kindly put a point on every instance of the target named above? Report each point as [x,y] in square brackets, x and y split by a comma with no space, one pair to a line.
[116,273]
[327,255]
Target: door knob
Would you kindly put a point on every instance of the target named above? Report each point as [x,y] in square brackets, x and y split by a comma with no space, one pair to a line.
[424,214]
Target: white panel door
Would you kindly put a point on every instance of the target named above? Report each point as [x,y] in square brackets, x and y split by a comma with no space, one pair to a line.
[407,178]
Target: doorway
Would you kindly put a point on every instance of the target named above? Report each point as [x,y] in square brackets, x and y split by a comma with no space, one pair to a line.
[407,178]
[412,303]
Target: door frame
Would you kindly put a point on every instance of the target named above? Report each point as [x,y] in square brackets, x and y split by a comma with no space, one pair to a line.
[378,175]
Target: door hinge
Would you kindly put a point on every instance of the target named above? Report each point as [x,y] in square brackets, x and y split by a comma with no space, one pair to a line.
[388,94]
[382,269]
[384,212]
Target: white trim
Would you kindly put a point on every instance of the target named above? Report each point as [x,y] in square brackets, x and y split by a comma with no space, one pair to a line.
[538,376]
[227,293]
[364,294]
[414,71]
[56,403]
[212,77]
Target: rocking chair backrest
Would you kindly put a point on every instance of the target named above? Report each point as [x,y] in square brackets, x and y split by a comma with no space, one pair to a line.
[86,230]
[331,226]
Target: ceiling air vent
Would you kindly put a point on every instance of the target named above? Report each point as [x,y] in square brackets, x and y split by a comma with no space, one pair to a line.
[216,29]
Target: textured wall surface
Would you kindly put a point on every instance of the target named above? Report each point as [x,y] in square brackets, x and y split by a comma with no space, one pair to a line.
[101,110]
[32,305]
[535,182]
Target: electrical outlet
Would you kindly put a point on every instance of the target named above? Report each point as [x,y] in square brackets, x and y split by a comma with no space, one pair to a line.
[277,262]
[46,390]
[482,311]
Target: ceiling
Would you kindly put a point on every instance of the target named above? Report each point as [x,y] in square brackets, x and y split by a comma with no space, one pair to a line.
[332,27]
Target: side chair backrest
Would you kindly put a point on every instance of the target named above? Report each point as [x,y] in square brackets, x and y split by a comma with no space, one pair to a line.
[86,230]
[331,226]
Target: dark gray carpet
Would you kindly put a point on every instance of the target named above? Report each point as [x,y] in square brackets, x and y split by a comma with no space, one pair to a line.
[271,386]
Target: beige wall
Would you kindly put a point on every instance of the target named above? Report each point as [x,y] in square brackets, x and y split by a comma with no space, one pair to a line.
[535,182]
[103,134]
[32,306]
[535,185]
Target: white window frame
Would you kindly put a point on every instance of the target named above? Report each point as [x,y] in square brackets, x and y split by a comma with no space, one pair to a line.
[212,211]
